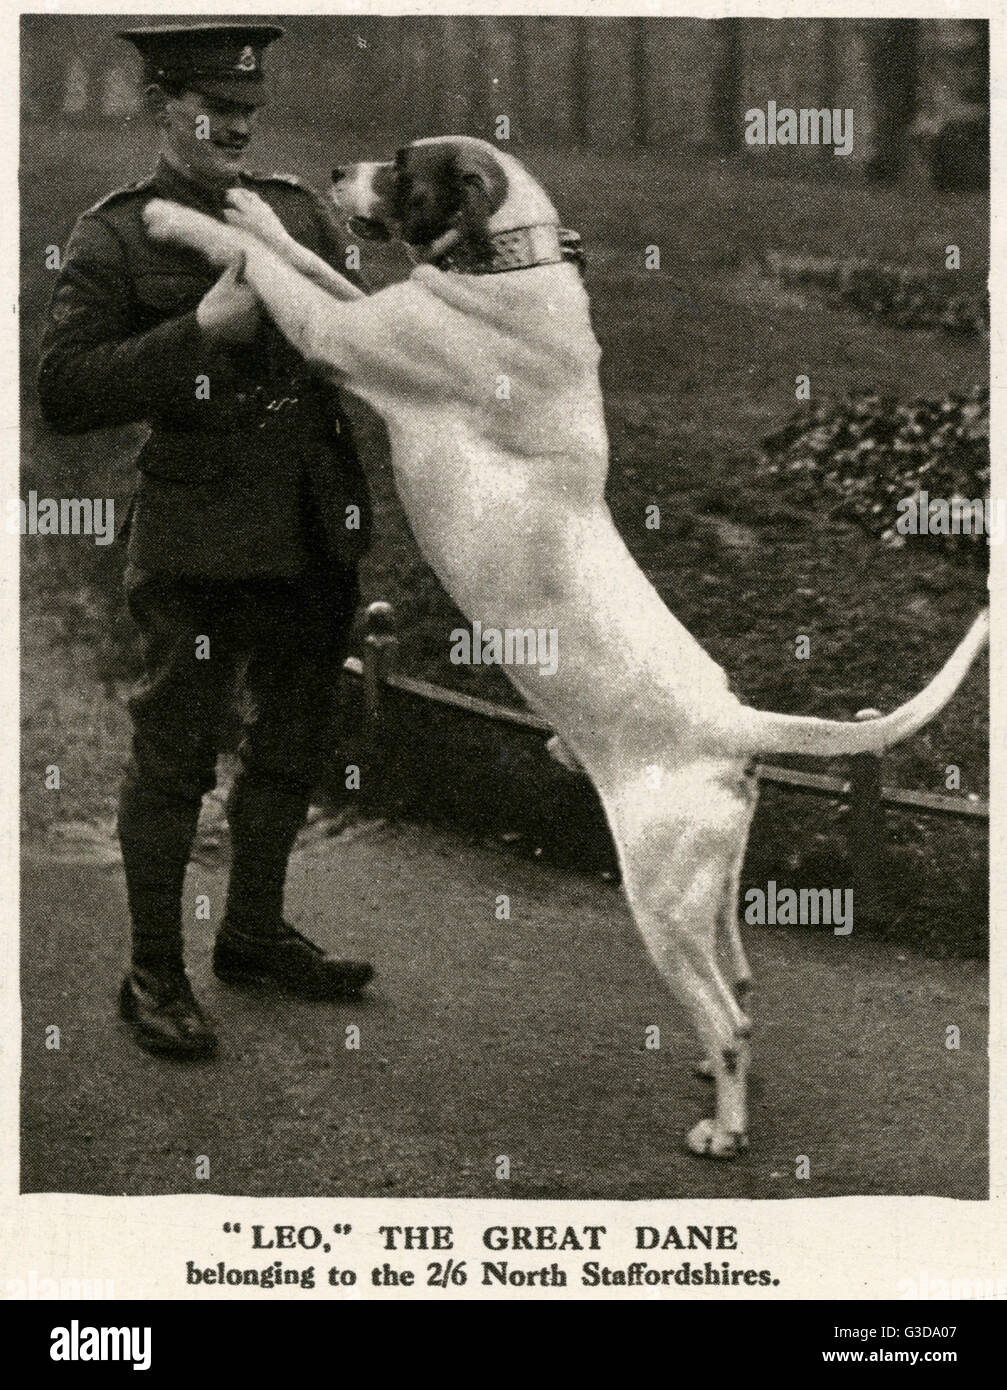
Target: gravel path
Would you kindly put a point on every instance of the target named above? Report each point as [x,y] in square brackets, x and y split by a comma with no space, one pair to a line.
[481,1038]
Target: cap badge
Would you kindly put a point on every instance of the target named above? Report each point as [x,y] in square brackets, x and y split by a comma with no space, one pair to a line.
[246,62]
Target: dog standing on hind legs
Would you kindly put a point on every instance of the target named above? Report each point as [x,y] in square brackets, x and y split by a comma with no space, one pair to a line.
[506,501]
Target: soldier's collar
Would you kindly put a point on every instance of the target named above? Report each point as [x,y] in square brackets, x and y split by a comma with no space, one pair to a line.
[172,184]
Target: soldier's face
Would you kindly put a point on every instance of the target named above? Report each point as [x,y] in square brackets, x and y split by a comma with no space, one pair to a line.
[204,136]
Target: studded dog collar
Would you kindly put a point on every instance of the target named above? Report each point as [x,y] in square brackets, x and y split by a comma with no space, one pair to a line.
[517,248]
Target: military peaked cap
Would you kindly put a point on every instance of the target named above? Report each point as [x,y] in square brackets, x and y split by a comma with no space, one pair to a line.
[219,60]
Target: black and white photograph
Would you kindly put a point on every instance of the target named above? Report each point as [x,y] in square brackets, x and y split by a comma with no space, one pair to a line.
[504,524]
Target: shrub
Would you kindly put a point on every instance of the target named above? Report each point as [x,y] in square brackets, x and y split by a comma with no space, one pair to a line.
[868,453]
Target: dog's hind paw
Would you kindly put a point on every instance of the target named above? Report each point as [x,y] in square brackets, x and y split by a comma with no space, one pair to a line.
[710,1141]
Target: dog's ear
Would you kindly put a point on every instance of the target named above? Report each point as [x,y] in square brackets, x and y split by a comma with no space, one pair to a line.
[482,185]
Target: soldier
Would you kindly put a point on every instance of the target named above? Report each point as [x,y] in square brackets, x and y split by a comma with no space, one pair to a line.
[250,514]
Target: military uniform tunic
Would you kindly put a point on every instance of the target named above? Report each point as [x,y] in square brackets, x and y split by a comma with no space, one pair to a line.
[250,465]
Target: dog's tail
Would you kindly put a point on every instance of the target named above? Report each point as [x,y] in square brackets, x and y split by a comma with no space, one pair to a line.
[762,731]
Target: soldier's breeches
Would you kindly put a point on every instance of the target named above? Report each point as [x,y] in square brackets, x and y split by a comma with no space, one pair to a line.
[287,639]
[264,819]
[289,684]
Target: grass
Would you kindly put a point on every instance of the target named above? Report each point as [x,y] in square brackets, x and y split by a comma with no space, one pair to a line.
[699,362]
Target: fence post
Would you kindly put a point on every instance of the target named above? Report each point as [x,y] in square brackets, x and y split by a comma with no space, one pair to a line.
[380,644]
[866,830]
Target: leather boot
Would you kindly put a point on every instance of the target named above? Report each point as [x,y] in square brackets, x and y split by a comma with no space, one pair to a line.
[164,1014]
[255,945]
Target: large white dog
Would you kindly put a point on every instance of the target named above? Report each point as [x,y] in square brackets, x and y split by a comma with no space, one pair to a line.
[485,368]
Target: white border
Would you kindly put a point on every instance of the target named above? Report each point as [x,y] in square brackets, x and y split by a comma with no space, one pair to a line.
[849,1247]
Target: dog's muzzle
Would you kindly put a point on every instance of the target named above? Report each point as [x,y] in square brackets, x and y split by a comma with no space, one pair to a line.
[355,193]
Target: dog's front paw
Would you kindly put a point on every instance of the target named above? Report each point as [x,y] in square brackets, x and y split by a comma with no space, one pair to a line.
[709,1140]
[167,221]
[251,213]
[159,218]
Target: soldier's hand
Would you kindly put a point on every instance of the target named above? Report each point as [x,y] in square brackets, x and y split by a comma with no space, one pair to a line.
[229,312]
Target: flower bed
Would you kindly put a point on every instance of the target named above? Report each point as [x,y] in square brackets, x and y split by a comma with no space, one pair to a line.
[877,461]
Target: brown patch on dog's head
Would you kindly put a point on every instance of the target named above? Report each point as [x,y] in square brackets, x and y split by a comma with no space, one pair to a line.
[436,186]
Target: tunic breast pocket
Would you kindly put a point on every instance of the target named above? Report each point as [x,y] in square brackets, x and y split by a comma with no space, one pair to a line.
[186,442]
